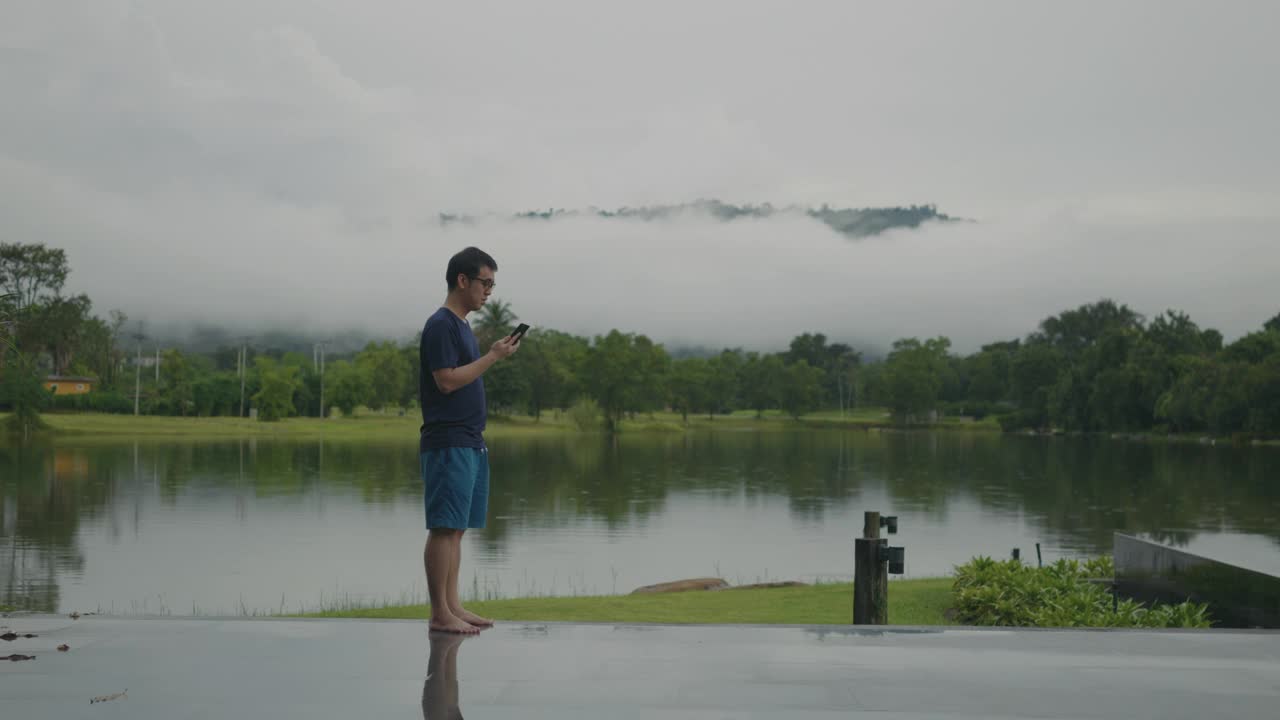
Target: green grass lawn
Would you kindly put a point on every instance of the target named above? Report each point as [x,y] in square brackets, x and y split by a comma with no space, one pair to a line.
[393,426]
[365,426]
[911,602]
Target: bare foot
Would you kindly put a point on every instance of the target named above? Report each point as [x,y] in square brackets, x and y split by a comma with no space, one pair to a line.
[472,618]
[451,624]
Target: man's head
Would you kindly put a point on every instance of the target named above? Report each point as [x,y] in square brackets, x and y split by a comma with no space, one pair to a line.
[470,277]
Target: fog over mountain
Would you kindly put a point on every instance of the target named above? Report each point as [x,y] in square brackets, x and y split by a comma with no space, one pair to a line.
[287,163]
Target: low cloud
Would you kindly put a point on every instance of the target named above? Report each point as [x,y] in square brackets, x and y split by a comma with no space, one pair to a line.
[691,281]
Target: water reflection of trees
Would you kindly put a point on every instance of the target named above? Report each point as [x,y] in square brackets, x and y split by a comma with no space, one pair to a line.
[1084,488]
[44,494]
[1074,490]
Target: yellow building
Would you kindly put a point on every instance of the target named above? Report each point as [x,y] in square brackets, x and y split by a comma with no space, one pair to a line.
[69,384]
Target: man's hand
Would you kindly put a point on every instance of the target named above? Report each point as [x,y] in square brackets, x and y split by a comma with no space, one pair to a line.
[506,347]
[450,379]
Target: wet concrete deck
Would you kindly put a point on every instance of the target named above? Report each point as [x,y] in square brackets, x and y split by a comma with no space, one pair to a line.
[315,669]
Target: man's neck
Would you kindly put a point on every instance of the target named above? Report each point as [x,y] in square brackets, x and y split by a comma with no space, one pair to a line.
[455,305]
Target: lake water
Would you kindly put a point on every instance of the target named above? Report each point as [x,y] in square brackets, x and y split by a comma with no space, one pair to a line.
[254,526]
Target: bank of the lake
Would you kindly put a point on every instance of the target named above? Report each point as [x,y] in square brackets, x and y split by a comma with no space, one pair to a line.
[911,602]
[394,426]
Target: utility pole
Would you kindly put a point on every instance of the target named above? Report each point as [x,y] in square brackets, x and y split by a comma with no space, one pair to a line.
[157,365]
[317,359]
[243,359]
[137,377]
[138,337]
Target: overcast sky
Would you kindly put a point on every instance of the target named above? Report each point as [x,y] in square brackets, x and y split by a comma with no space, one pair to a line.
[275,162]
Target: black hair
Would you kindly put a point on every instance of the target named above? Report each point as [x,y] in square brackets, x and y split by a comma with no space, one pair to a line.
[468,262]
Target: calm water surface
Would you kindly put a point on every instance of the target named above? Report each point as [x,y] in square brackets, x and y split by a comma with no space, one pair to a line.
[218,527]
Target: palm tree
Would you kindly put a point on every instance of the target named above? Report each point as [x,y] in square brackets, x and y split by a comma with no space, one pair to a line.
[496,321]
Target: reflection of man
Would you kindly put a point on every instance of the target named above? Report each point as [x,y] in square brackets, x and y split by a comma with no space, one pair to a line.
[455,462]
[440,689]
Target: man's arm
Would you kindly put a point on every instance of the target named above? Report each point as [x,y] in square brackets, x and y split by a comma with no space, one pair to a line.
[450,379]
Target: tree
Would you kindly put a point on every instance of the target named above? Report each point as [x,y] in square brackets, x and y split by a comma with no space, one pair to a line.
[550,360]
[1100,388]
[409,391]
[988,372]
[623,372]
[1185,405]
[1253,348]
[277,383]
[1074,330]
[216,393]
[1033,373]
[1273,324]
[762,380]
[723,383]
[810,347]
[178,391]
[911,378]
[57,325]
[306,389]
[506,384]
[837,361]
[20,385]
[496,320]
[802,388]
[1262,385]
[1229,407]
[348,386]
[21,388]
[387,371]
[99,347]
[652,367]
[1176,334]
[31,273]
[689,385]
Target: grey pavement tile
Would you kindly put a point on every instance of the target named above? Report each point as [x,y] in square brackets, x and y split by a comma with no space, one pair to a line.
[198,668]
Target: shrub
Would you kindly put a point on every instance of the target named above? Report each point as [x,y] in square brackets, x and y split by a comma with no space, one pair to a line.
[585,414]
[1014,421]
[1009,593]
[104,401]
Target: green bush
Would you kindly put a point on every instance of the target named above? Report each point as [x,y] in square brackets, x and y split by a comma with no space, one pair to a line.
[1009,593]
[23,393]
[1014,421]
[585,414]
[103,401]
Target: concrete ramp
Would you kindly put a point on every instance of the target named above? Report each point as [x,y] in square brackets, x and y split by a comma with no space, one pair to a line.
[1238,597]
[316,669]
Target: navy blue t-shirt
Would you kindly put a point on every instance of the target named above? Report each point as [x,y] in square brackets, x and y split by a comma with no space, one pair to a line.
[456,419]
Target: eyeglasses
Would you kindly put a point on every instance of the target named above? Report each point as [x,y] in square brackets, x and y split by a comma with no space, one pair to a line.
[488,283]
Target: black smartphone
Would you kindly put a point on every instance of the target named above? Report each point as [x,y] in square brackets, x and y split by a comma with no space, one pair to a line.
[518,334]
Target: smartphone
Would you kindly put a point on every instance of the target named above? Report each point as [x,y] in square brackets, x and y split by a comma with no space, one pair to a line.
[519,332]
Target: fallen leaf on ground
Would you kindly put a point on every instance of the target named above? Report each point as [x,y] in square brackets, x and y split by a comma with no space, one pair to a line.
[108,698]
[64,647]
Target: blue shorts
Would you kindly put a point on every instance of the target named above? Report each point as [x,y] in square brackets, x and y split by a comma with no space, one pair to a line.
[455,487]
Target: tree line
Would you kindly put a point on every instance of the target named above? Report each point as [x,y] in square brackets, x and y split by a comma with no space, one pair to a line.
[1098,367]
[850,222]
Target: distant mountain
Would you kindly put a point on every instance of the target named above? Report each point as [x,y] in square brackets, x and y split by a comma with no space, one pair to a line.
[851,222]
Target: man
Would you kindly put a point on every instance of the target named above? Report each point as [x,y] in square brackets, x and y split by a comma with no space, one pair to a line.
[455,462]
[440,689]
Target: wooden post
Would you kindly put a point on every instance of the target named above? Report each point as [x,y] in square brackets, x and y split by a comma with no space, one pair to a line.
[871,525]
[870,575]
